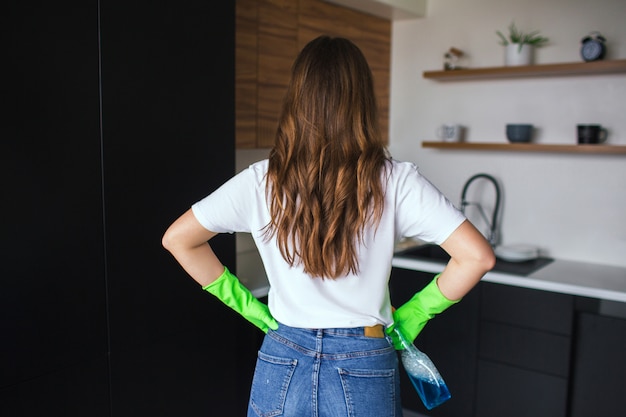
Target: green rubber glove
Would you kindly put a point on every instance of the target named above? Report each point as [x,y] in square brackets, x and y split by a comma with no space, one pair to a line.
[411,317]
[232,293]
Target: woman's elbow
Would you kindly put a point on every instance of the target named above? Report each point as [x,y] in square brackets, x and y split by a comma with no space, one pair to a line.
[185,234]
[487,259]
[469,247]
[480,258]
[174,238]
[168,240]
[478,262]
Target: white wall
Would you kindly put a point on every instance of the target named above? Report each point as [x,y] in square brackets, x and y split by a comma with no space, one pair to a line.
[572,206]
[249,264]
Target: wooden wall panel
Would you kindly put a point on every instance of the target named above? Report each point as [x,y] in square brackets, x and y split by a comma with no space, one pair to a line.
[282,28]
[277,49]
[246,69]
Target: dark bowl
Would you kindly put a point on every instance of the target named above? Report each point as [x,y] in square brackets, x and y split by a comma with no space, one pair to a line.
[519,133]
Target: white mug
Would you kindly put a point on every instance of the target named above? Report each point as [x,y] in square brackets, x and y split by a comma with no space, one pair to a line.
[449,132]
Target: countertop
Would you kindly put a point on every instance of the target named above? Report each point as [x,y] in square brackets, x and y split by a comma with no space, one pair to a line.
[568,277]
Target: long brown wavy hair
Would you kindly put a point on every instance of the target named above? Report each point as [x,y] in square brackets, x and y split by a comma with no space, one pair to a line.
[324,178]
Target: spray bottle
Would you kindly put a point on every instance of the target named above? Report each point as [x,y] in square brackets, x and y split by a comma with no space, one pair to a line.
[427,381]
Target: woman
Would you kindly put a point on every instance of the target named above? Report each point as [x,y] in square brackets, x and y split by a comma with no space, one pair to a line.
[325,211]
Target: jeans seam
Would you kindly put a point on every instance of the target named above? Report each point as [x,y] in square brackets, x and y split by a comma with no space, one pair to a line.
[291,344]
[317,363]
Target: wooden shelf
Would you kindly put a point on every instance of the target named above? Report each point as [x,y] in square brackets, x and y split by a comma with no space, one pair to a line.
[543,70]
[528,147]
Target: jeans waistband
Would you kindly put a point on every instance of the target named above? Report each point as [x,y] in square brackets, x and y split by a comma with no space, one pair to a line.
[376,331]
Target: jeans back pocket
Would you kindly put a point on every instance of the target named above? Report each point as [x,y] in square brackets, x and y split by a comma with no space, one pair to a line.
[270,384]
[369,392]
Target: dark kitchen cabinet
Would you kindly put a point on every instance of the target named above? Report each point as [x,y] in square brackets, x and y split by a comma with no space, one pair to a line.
[118,116]
[513,351]
[524,352]
[599,377]
[450,340]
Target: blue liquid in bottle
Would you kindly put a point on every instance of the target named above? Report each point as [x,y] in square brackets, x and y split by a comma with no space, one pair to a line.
[432,389]
[427,381]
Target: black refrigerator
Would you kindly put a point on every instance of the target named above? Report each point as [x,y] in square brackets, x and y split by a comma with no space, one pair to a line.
[118,115]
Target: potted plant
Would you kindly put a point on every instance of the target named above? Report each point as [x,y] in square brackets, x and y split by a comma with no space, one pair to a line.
[520,45]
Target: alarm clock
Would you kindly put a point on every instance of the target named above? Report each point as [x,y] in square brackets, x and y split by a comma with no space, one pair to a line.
[593,48]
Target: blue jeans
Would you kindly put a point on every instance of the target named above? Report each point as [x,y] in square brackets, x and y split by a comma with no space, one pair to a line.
[325,373]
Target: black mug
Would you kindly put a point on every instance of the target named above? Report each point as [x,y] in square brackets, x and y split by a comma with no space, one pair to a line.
[591,134]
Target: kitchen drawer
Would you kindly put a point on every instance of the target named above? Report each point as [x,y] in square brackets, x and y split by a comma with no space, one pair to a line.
[505,391]
[535,309]
[526,348]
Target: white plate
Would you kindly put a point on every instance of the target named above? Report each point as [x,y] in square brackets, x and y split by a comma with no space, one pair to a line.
[517,253]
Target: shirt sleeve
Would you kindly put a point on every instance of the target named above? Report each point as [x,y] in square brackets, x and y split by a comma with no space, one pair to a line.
[422,211]
[228,209]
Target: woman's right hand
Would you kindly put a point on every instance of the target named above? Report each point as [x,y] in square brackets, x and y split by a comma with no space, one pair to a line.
[411,317]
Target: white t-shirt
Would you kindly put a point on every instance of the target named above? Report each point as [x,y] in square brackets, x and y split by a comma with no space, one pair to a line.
[413,208]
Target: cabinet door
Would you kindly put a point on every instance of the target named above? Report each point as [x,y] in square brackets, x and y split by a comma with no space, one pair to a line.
[530,349]
[449,339]
[524,351]
[505,390]
[599,376]
[523,307]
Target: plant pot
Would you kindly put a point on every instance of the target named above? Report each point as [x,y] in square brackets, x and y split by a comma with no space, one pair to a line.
[516,57]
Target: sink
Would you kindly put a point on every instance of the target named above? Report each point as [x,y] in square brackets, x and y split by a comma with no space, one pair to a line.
[435,253]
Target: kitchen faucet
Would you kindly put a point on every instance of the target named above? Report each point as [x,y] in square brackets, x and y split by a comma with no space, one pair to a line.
[492,238]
